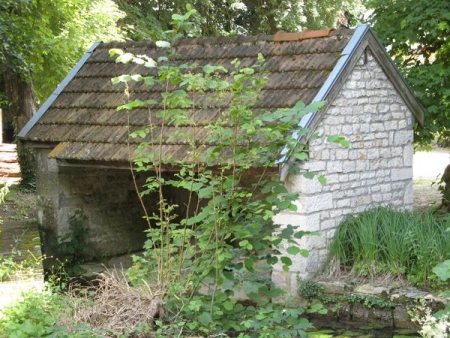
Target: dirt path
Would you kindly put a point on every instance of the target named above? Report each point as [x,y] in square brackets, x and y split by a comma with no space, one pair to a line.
[428,167]
[19,232]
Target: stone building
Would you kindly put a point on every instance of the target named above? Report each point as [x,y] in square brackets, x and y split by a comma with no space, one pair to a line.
[82,142]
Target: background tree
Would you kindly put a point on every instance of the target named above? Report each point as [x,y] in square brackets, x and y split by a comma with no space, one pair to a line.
[249,17]
[417,32]
[40,40]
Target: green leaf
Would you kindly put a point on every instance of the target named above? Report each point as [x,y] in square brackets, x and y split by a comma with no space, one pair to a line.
[339,140]
[198,218]
[149,80]
[304,253]
[150,63]
[292,207]
[275,292]
[247,71]
[286,261]
[205,318]
[208,69]
[124,78]
[205,192]
[115,51]
[309,175]
[245,244]
[442,270]
[322,179]
[125,58]
[136,77]
[228,275]
[228,305]
[287,232]
[221,297]
[250,287]
[301,156]
[248,262]
[317,308]
[177,17]
[293,250]
[272,260]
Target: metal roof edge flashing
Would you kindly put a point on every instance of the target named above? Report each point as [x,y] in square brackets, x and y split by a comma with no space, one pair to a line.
[54,95]
[305,122]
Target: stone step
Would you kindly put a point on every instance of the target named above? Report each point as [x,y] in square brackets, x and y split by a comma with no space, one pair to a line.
[9,166]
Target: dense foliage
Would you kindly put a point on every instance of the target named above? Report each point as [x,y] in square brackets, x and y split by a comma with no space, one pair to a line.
[416,33]
[218,244]
[42,40]
[249,17]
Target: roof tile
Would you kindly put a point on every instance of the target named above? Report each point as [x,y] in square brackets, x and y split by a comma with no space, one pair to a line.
[85,122]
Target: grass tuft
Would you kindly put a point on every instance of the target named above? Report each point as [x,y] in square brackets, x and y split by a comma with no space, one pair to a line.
[385,241]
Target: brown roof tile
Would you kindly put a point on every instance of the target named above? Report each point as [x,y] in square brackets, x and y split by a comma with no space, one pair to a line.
[84,121]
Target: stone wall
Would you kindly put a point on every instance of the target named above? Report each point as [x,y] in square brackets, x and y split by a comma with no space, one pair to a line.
[115,221]
[376,170]
[106,197]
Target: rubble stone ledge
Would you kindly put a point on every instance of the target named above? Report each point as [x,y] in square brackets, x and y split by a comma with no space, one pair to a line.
[368,305]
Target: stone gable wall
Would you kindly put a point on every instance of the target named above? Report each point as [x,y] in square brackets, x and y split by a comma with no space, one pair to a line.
[376,170]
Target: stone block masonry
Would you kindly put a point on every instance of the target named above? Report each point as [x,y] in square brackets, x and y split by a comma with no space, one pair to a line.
[115,223]
[376,169]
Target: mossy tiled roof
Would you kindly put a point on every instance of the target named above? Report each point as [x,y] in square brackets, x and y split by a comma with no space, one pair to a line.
[82,118]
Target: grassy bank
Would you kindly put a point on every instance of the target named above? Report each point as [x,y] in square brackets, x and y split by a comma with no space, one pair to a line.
[385,241]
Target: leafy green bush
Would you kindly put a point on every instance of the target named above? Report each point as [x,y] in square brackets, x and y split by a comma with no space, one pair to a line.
[402,243]
[437,324]
[14,265]
[37,314]
[218,245]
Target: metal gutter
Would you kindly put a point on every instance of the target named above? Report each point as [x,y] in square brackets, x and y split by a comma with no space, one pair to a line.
[306,121]
[42,110]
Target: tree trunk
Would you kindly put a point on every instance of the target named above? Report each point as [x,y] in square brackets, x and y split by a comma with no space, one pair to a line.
[22,107]
[21,98]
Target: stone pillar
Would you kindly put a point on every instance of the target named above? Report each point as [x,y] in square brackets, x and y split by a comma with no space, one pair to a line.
[47,204]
